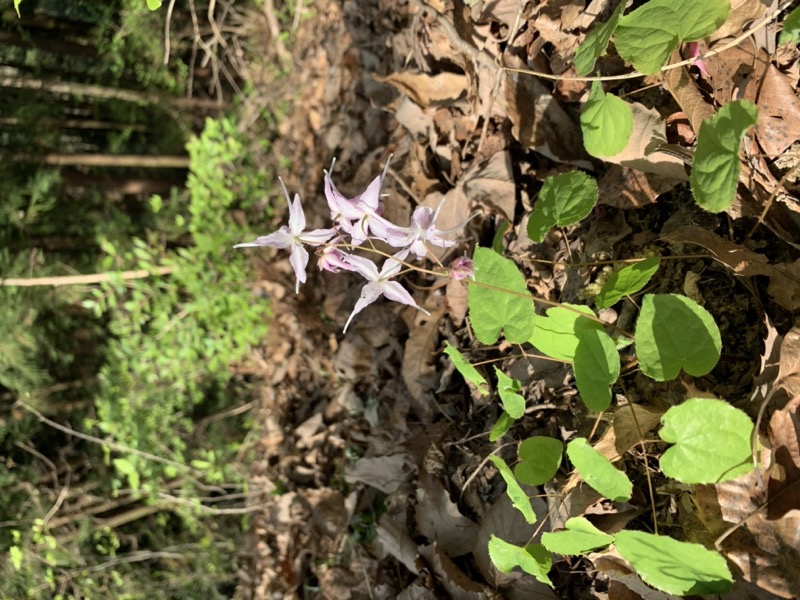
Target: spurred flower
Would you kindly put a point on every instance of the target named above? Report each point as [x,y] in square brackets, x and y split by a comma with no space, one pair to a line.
[421,232]
[294,236]
[380,283]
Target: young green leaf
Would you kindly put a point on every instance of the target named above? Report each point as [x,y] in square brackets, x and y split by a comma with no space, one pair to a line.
[594,46]
[515,493]
[16,6]
[791,28]
[596,367]
[606,123]
[712,441]
[493,310]
[674,333]
[467,371]
[626,282]
[648,35]
[674,567]
[127,468]
[533,559]
[563,200]
[497,241]
[513,403]
[500,427]
[598,472]
[153,4]
[715,168]
[579,537]
[557,334]
[539,460]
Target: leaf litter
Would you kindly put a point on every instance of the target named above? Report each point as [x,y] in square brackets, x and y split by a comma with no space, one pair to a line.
[372,453]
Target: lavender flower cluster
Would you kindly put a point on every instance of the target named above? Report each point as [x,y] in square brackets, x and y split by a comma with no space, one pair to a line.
[356,221]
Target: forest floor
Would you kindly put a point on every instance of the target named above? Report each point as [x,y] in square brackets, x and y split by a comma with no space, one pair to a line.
[373,446]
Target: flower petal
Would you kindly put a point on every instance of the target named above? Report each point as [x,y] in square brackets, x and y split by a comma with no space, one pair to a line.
[316,237]
[299,260]
[394,291]
[282,238]
[364,266]
[297,218]
[369,293]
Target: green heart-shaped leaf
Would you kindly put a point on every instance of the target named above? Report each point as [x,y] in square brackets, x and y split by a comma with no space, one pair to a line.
[539,460]
[598,472]
[674,333]
[712,441]
[596,367]
[579,537]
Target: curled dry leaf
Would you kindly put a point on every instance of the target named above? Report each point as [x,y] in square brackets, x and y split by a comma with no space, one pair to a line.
[784,278]
[742,13]
[783,489]
[767,552]
[439,519]
[684,90]
[426,89]
[778,113]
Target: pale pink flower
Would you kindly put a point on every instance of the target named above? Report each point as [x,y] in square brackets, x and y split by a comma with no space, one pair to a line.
[293,236]
[421,232]
[379,283]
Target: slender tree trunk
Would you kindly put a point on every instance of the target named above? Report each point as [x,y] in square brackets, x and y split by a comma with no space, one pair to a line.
[107,160]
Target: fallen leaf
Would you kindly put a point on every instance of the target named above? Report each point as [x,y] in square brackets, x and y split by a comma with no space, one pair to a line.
[419,374]
[425,89]
[742,12]
[457,302]
[778,113]
[784,278]
[384,473]
[439,519]
[789,363]
[649,130]
[767,552]
[492,183]
[783,491]
[684,90]
[455,582]
[627,188]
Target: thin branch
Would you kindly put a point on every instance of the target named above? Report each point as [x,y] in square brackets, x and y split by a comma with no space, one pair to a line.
[84,279]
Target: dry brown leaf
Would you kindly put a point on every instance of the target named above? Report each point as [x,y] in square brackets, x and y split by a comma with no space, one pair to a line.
[737,72]
[684,90]
[439,519]
[767,552]
[742,12]
[392,540]
[457,301]
[625,431]
[454,581]
[789,364]
[783,489]
[778,113]
[419,374]
[624,583]
[503,11]
[537,120]
[384,473]
[649,130]
[784,278]
[492,183]
[626,188]
[425,89]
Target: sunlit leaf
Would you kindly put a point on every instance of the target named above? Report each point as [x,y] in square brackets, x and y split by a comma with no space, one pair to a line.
[579,537]
[715,168]
[674,332]
[515,493]
[467,371]
[508,388]
[648,35]
[563,200]
[626,282]
[596,367]
[606,123]
[493,309]
[674,567]
[153,4]
[791,28]
[539,460]
[712,441]
[557,334]
[533,559]
[594,46]
[598,472]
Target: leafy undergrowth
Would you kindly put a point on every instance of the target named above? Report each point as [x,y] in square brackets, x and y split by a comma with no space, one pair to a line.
[590,433]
